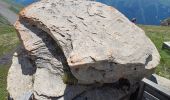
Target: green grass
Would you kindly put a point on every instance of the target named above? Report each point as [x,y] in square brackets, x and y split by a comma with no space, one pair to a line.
[8,37]
[3,21]
[3,82]
[159,34]
[8,41]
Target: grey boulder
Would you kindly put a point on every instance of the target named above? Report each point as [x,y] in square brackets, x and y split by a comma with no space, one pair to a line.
[100,44]
[78,50]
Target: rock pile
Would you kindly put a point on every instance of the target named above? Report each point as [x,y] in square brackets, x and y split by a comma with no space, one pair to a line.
[78,50]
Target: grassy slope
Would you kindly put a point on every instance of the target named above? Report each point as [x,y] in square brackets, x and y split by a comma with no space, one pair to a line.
[159,34]
[3,82]
[8,41]
[8,37]
[3,21]
[14,6]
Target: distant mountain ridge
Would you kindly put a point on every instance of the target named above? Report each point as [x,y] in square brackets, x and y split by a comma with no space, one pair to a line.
[149,12]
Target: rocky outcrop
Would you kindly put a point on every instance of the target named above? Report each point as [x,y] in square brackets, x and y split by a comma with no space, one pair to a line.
[78,50]
[165,22]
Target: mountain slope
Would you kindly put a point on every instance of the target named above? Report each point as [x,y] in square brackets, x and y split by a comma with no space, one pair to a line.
[149,12]
[7,13]
[145,11]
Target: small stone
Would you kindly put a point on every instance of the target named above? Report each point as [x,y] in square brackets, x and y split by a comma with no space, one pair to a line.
[27,96]
[20,77]
[48,84]
[166,45]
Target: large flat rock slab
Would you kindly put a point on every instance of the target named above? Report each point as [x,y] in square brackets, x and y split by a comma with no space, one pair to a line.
[79,50]
[97,40]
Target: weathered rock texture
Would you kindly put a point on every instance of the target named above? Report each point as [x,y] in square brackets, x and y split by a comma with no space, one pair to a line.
[84,43]
[20,79]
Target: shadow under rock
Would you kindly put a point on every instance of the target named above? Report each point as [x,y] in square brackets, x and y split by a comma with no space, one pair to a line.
[26,64]
[96,92]
[153,79]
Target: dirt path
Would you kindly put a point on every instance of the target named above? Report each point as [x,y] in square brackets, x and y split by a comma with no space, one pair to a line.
[8,14]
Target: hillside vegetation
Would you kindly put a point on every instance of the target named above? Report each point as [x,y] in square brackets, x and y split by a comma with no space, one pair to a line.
[13,6]
[8,37]
[8,42]
[159,34]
